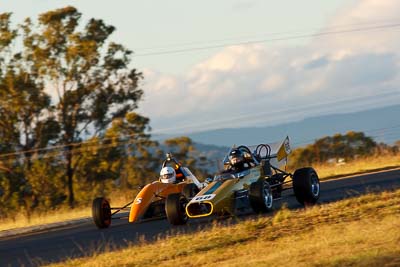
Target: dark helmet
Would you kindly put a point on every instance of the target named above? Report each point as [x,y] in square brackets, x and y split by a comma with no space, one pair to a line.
[236,158]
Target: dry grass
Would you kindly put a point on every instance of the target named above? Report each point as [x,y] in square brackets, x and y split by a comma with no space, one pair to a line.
[59,215]
[362,231]
[357,166]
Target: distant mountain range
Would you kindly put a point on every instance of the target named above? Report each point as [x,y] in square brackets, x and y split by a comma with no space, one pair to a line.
[383,124]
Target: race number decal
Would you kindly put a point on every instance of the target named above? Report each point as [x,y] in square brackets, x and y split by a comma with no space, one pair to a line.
[203,198]
[138,201]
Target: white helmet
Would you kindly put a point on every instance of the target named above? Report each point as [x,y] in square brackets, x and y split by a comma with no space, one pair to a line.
[167,175]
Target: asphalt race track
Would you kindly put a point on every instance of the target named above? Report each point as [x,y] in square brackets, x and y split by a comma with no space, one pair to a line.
[84,239]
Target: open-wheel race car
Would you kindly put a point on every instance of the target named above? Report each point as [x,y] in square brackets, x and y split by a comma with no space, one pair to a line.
[252,179]
[149,203]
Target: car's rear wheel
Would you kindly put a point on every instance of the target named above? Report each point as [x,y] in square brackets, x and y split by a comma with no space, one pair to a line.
[101,212]
[190,190]
[260,196]
[306,186]
[175,205]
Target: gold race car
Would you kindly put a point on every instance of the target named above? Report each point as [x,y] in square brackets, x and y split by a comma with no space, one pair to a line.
[252,179]
[150,201]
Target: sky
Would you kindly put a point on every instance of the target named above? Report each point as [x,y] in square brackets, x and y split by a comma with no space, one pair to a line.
[234,63]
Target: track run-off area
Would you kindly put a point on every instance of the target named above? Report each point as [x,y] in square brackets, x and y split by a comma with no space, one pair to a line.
[83,239]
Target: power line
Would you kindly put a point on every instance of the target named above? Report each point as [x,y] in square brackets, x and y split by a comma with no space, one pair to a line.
[320,34]
[386,131]
[59,147]
[81,149]
[125,138]
[242,116]
[253,36]
[126,141]
[253,115]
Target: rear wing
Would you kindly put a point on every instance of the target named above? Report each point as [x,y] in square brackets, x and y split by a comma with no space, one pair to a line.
[284,150]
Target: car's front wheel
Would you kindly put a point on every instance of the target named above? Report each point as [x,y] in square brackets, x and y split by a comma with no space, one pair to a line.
[175,205]
[260,196]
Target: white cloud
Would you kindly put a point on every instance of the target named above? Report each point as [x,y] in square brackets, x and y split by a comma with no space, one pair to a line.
[244,85]
[272,82]
[364,14]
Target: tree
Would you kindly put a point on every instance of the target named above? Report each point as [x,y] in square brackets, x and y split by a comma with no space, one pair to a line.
[8,119]
[65,84]
[123,158]
[91,78]
[26,119]
[140,156]
[346,146]
[397,143]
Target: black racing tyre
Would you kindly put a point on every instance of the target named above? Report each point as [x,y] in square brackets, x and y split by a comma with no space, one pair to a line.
[175,209]
[306,186]
[260,196]
[190,190]
[101,212]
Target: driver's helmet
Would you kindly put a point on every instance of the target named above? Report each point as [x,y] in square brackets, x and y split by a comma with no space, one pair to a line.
[236,158]
[167,175]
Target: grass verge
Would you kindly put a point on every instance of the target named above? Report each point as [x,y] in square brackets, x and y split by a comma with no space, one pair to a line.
[362,231]
[358,166]
[59,215]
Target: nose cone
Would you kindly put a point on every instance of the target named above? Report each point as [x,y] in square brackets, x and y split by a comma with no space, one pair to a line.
[134,213]
[135,210]
[149,194]
[142,202]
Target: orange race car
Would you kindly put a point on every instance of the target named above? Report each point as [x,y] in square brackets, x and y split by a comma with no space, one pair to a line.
[150,201]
